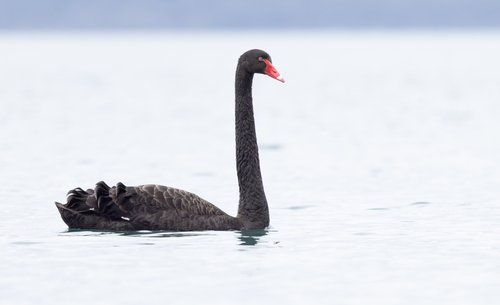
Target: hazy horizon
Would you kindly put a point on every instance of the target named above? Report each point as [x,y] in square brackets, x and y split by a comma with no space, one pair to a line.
[225,14]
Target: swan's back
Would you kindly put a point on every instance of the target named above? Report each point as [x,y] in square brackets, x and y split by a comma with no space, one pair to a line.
[144,207]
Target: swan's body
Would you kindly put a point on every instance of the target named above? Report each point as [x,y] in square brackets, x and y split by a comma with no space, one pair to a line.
[157,207]
[144,207]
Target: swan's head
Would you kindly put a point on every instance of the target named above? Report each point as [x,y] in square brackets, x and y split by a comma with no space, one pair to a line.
[258,61]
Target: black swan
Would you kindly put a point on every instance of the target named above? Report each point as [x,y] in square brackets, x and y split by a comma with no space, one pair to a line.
[158,207]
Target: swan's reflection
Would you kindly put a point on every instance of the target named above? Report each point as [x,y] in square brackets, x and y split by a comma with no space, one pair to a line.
[251,237]
[142,233]
[247,237]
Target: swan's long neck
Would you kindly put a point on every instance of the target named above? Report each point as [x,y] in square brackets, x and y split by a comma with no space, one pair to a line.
[252,209]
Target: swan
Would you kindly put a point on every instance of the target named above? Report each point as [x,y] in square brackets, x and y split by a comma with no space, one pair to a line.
[158,207]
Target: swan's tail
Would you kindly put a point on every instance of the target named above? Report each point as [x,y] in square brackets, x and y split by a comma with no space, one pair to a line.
[92,209]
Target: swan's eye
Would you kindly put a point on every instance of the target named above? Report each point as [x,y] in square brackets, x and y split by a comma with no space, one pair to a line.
[261,59]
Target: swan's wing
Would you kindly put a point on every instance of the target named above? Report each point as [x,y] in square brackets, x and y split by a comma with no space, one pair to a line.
[152,198]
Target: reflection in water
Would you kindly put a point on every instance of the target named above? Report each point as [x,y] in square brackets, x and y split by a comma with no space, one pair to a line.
[86,232]
[247,237]
[142,233]
[251,237]
[159,234]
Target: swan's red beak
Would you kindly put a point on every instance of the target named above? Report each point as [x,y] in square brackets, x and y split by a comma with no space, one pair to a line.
[271,71]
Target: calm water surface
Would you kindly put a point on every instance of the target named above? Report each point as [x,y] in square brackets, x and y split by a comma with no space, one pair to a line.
[380,157]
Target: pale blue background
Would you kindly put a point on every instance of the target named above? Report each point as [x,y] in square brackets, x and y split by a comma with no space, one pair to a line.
[196,14]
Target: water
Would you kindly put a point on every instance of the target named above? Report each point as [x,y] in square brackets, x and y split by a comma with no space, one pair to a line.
[380,159]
